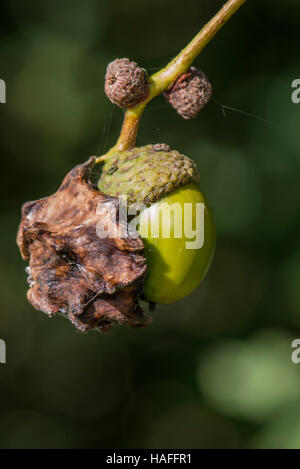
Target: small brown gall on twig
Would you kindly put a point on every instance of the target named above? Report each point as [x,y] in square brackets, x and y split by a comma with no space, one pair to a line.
[93,281]
[189,93]
[125,83]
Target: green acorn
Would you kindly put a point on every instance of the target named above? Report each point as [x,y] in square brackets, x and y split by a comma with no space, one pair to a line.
[163,179]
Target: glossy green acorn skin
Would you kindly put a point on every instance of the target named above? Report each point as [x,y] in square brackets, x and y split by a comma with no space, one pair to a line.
[173,270]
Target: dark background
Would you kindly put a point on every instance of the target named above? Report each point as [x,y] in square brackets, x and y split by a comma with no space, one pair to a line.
[214,370]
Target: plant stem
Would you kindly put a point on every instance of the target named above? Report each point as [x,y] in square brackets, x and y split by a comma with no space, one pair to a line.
[161,80]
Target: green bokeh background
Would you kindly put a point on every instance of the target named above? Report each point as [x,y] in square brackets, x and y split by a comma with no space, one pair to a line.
[214,370]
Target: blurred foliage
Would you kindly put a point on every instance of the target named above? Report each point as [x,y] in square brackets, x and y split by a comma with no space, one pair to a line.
[214,370]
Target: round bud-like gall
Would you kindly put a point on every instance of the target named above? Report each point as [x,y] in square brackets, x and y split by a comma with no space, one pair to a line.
[125,83]
[189,93]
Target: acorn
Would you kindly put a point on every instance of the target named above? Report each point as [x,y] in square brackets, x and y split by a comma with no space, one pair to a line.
[162,183]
